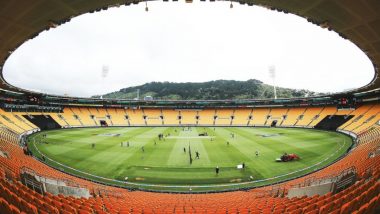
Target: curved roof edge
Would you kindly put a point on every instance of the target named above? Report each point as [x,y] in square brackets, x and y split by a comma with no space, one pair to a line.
[355,20]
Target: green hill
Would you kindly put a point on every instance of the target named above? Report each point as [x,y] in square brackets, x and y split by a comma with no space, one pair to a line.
[212,90]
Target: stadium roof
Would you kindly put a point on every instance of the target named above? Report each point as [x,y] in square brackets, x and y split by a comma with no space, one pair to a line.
[355,20]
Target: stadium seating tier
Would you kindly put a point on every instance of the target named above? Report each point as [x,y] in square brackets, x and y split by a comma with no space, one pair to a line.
[362,197]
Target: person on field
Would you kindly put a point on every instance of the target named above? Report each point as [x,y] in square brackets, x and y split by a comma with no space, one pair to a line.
[217,170]
[257,153]
[197,154]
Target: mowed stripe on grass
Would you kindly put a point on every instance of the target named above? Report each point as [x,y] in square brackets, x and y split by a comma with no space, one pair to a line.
[150,160]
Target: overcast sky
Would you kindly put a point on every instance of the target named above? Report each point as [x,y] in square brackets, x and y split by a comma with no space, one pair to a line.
[181,42]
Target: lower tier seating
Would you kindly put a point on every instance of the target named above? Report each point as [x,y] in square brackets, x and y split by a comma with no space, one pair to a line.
[362,197]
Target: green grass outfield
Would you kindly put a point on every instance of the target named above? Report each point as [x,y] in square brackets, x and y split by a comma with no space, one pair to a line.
[163,165]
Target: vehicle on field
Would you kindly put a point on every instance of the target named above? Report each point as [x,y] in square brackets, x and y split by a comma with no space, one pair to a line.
[287,157]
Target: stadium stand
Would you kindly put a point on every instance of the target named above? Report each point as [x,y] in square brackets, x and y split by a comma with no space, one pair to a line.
[276,116]
[363,117]
[118,116]
[153,117]
[362,196]
[241,117]
[70,118]
[260,116]
[292,116]
[171,116]
[84,116]
[206,117]
[224,117]
[360,121]
[188,117]
[21,121]
[309,115]
[368,142]
[136,117]
[60,120]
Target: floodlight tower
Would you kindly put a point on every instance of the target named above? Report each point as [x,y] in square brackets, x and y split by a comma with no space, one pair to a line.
[105,70]
[272,74]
